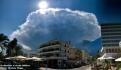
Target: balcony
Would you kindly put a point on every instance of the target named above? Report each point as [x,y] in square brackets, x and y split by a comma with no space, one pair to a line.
[51,49]
[51,46]
[50,52]
[51,43]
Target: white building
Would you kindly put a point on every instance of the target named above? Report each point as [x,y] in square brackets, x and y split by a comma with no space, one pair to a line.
[111,36]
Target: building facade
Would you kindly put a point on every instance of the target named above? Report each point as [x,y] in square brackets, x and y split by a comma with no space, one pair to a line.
[74,54]
[114,51]
[111,36]
[59,53]
[86,58]
[54,52]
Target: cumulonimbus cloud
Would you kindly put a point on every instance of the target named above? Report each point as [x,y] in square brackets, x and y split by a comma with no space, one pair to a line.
[63,24]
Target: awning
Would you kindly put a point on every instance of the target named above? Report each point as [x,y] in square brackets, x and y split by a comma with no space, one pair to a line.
[107,56]
[118,59]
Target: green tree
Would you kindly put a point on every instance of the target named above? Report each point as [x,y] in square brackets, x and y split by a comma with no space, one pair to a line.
[13,49]
[18,50]
[3,42]
[1,56]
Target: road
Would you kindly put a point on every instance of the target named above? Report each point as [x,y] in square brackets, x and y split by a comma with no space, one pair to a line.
[81,68]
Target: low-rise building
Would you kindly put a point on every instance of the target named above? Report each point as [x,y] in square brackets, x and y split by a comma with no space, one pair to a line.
[57,53]
[54,52]
[74,54]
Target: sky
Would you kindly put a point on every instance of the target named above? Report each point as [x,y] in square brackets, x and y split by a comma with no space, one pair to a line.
[14,13]
[77,27]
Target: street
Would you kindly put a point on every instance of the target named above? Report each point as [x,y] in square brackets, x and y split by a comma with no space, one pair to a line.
[81,68]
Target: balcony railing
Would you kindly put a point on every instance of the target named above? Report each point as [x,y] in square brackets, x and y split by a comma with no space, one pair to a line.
[56,51]
[51,49]
[53,57]
[51,46]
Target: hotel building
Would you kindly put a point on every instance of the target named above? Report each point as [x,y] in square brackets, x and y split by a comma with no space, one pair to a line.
[59,53]
[111,36]
[54,52]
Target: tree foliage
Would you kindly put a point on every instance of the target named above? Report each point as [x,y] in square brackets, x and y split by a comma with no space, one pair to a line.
[3,42]
[12,47]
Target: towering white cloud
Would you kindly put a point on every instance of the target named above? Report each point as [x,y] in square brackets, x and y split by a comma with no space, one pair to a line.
[62,24]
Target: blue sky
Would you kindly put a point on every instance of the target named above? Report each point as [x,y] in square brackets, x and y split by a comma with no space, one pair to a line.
[14,12]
